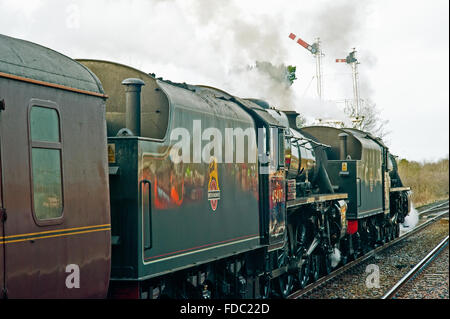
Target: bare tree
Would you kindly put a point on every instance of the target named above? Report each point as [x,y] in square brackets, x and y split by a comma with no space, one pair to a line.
[371,121]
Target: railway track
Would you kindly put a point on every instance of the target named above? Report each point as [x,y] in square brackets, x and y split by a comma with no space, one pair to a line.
[425,213]
[434,208]
[439,210]
[421,265]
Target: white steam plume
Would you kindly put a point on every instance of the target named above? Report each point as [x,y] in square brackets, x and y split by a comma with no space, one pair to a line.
[411,220]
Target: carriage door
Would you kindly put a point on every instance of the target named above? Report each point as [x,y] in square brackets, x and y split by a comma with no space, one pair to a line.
[2,216]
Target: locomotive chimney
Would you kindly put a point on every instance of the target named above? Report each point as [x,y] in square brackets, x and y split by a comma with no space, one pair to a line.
[292,118]
[343,146]
[133,104]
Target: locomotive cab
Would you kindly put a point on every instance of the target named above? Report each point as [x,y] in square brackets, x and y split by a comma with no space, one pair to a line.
[300,159]
[355,166]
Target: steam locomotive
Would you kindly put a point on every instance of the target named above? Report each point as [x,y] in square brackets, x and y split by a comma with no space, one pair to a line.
[94,205]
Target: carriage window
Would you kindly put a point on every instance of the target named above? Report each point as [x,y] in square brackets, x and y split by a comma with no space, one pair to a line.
[44,124]
[46,163]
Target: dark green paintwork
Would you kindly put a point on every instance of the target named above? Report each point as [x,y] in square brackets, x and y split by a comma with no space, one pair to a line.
[364,200]
[364,180]
[124,209]
[33,61]
[162,220]
[190,232]
[154,103]
[173,228]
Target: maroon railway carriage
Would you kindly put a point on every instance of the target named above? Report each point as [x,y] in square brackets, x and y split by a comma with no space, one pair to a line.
[54,196]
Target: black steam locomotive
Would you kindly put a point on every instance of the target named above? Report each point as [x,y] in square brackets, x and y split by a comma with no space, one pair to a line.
[191,216]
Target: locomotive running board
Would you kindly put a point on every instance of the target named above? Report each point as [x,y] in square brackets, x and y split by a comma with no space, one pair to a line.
[400,189]
[315,199]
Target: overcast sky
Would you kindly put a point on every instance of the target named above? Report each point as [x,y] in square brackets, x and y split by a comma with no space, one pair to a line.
[402,45]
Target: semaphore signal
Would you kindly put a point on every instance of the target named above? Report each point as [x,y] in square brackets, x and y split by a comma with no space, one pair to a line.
[315,50]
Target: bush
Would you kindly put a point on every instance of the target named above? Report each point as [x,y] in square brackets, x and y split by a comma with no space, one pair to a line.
[428,180]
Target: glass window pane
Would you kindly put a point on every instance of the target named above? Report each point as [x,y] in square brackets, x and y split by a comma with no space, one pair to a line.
[44,124]
[281,148]
[47,188]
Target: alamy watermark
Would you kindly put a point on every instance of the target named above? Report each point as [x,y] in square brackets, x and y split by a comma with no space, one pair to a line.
[229,145]
[373,279]
[73,279]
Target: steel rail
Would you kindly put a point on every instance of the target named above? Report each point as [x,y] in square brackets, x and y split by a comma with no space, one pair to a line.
[363,258]
[434,208]
[417,268]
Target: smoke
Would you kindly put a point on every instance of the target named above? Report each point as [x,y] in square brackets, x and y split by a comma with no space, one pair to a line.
[411,220]
[247,36]
[262,80]
[208,42]
[340,24]
[279,74]
[268,82]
